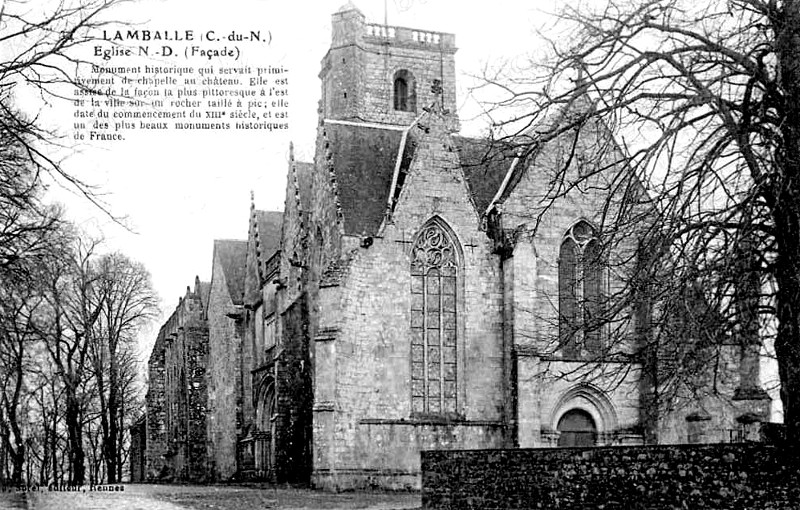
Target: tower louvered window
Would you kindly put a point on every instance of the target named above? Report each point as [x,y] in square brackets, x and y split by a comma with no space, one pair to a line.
[434,288]
[580,292]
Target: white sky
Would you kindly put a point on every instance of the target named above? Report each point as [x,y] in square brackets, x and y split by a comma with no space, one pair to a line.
[181,190]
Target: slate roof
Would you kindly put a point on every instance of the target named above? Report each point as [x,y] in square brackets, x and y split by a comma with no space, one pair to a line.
[485,166]
[363,161]
[232,255]
[269,224]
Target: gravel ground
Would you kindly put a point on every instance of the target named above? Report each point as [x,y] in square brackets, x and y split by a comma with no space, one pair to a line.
[216,497]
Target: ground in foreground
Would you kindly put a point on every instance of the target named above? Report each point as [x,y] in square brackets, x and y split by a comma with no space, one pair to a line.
[216,497]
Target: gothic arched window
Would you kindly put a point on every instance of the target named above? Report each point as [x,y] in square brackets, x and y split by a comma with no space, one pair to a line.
[404,92]
[434,288]
[580,292]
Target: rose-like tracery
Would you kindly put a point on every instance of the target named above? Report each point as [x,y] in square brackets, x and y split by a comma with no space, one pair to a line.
[433,248]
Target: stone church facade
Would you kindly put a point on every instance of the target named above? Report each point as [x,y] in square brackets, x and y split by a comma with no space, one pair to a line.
[412,295]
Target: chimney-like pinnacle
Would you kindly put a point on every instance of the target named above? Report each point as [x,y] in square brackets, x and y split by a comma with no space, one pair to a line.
[349,6]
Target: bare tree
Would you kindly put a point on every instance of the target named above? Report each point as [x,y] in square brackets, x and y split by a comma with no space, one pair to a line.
[76,301]
[25,222]
[30,242]
[705,99]
[17,305]
[40,52]
[131,403]
[41,43]
[129,303]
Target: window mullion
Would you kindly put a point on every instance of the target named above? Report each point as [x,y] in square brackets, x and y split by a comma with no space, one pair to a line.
[442,407]
[426,391]
[580,295]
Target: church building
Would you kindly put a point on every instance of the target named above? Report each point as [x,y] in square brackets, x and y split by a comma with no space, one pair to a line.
[419,291]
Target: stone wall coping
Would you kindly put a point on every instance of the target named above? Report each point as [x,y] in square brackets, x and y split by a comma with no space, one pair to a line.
[431,421]
[599,449]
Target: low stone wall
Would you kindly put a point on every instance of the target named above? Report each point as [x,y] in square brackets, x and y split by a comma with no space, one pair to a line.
[721,476]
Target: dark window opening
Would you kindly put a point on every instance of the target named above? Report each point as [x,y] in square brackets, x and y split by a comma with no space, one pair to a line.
[400,95]
[577,428]
[404,92]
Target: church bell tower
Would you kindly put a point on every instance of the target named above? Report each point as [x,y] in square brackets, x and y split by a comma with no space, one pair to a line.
[386,74]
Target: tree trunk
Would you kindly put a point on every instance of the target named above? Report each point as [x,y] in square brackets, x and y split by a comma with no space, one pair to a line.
[113,433]
[45,465]
[54,443]
[75,437]
[787,219]
[787,346]
[120,441]
[17,462]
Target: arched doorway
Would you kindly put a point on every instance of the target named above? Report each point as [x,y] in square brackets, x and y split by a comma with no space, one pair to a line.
[265,434]
[577,428]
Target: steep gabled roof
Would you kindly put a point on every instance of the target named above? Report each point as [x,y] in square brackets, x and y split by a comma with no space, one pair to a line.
[577,113]
[268,225]
[232,255]
[363,159]
[485,165]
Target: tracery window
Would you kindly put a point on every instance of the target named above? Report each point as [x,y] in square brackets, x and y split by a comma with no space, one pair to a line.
[434,278]
[580,286]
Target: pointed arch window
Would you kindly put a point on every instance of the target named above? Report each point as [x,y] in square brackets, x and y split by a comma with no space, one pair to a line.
[580,292]
[434,289]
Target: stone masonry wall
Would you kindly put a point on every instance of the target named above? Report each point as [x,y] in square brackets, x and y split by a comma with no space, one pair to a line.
[175,443]
[156,443]
[293,399]
[224,378]
[722,476]
[376,438]
[197,400]
[137,457]
[359,70]
[530,205]
[540,222]
[534,266]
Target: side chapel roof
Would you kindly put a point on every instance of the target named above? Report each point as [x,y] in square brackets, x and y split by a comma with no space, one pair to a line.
[232,255]
[485,166]
[268,225]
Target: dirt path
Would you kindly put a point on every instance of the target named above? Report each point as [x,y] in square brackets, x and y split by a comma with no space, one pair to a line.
[186,497]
